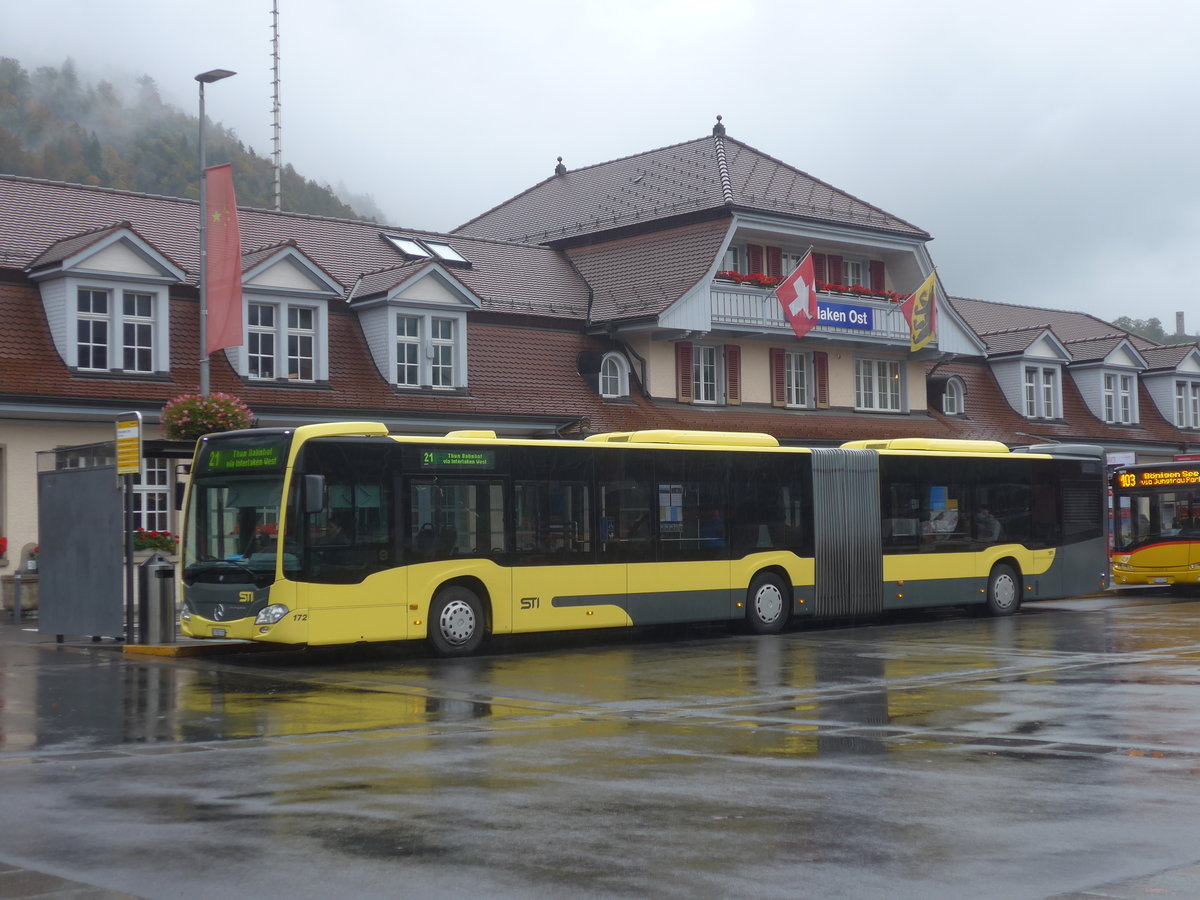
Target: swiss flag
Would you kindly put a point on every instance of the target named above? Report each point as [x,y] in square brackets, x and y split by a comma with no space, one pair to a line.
[798,296]
[223,263]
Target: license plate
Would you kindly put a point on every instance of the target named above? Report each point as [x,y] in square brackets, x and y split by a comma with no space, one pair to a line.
[1160,581]
[218,632]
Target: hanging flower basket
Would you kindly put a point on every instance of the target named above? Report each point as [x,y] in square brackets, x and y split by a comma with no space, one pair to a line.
[191,416]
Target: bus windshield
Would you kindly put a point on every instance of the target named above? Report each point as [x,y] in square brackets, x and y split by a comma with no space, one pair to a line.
[232,528]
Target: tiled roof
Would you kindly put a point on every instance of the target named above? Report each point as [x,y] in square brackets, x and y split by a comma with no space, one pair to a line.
[1094,349]
[36,216]
[712,173]
[1015,340]
[546,360]
[642,276]
[990,417]
[1167,357]
[986,317]
[69,246]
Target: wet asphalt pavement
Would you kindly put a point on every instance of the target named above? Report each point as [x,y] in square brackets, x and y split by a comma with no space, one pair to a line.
[1055,754]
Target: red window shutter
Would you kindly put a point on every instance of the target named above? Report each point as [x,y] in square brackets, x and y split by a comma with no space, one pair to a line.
[835,269]
[775,262]
[733,374]
[876,274]
[754,258]
[778,377]
[820,269]
[821,377]
[683,371]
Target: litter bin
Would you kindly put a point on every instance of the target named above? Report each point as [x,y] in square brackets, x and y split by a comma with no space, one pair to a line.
[156,601]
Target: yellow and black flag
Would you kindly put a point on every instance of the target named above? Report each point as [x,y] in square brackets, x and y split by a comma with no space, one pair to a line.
[921,312]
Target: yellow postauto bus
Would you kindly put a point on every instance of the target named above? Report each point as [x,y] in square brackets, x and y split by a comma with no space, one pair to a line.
[1156,525]
[341,533]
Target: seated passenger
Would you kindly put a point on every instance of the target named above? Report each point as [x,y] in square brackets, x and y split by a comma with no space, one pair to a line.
[987,526]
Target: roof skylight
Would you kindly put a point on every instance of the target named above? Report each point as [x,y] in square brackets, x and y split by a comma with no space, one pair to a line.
[425,249]
[407,246]
[445,252]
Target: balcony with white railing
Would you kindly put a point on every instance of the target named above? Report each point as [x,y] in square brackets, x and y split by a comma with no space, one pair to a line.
[736,307]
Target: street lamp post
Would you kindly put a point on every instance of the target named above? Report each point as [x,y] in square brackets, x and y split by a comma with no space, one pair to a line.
[205,78]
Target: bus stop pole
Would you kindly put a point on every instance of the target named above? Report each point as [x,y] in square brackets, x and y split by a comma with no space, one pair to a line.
[129,574]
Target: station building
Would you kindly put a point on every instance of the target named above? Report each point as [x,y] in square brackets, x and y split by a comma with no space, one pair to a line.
[636,293]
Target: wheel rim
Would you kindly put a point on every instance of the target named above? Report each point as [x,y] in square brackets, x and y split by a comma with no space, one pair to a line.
[1004,591]
[457,622]
[768,603]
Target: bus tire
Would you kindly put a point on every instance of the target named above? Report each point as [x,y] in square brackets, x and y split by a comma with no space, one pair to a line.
[456,621]
[767,604]
[1003,591]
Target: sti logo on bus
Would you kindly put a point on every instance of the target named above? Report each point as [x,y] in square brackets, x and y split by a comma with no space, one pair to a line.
[245,596]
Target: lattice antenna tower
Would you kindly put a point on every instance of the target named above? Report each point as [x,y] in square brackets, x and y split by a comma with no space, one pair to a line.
[276,153]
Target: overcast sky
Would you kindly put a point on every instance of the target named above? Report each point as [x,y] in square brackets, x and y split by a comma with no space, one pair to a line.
[1049,147]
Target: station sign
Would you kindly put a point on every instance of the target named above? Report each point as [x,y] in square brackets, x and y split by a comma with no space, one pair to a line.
[845,315]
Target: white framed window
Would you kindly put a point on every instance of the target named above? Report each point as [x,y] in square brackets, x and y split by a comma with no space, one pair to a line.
[1187,404]
[152,496]
[429,349]
[852,272]
[706,372]
[138,331]
[731,262]
[1042,398]
[1118,399]
[443,346]
[614,376]
[791,261]
[119,330]
[408,351]
[284,340]
[795,369]
[301,342]
[91,324]
[260,339]
[954,398]
[877,384]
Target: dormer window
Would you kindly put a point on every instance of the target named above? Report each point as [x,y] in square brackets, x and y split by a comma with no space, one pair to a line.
[282,340]
[1042,393]
[954,398]
[119,330]
[614,376]
[1119,399]
[429,348]
[1187,404]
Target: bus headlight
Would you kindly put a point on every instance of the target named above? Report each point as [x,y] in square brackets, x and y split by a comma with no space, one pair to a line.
[271,614]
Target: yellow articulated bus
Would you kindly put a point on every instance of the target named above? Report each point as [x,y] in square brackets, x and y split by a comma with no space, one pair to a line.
[341,533]
[1156,525]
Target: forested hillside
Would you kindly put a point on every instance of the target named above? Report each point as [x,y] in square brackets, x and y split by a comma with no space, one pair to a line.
[55,125]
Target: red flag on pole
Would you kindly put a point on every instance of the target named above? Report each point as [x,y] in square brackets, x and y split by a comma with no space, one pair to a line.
[798,296]
[223,262]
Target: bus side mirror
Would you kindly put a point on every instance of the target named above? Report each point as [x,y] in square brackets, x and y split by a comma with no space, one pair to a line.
[314,494]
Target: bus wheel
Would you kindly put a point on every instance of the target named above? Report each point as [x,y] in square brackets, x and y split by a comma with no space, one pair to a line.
[767,604]
[1003,591]
[456,622]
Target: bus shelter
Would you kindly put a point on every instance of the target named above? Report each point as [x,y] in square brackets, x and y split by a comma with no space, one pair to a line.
[84,584]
